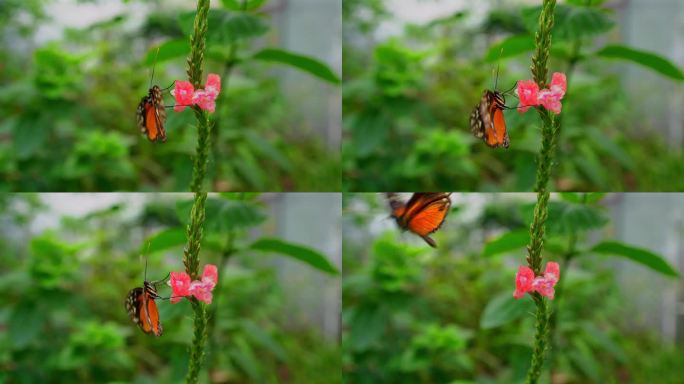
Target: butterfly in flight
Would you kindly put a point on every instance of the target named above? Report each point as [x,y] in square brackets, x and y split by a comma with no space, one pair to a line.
[423,214]
[142,308]
[151,114]
[487,119]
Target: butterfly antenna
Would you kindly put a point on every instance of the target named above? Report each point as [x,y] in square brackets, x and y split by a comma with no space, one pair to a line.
[498,63]
[146,250]
[153,65]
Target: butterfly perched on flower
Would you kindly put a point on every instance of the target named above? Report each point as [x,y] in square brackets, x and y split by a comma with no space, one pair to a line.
[151,115]
[142,308]
[487,119]
[423,214]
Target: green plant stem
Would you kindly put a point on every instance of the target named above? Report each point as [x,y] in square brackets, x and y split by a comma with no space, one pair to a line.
[191,262]
[550,130]
[195,67]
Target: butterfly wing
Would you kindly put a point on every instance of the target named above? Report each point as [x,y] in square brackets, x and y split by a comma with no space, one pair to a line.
[151,115]
[487,120]
[430,216]
[142,309]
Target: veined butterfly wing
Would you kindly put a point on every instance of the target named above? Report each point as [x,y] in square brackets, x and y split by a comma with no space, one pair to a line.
[487,120]
[151,115]
[423,214]
[142,309]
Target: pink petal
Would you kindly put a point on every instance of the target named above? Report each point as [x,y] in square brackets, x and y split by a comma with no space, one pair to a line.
[183,93]
[210,275]
[523,281]
[559,83]
[180,286]
[544,286]
[213,84]
[552,272]
[550,100]
[205,100]
[202,291]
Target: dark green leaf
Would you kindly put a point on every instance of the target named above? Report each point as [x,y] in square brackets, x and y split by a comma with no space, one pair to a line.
[301,62]
[367,326]
[646,59]
[164,239]
[639,255]
[246,5]
[571,22]
[503,309]
[25,324]
[168,50]
[509,241]
[298,252]
[226,27]
[509,47]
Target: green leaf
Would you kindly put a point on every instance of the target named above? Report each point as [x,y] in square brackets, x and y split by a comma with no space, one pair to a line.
[509,47]
[509,241]
[639,255]
[298,252]
[164,239]
[503,309]
[301,62]
[168,50]
[571,23]
[226,27]
[24,324]
[237,5]
[643,58]
[582,197]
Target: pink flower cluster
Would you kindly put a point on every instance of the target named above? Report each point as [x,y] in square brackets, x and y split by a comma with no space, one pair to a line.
[550,98]
[186,95]
[525,281]
[181,286]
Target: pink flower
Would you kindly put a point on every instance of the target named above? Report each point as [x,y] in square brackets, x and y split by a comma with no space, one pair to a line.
[550,100]
[527,91]
[183,93]
[205,100]
[213,84]
[559,83]
[180,286]
[523,281]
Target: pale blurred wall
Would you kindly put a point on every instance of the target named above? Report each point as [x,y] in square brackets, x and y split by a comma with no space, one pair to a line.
[314,28]
[653,221]
[656,26]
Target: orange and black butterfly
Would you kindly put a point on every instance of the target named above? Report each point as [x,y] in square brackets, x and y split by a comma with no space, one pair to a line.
[142,308]
[423,214]
[151,114]
[487,119]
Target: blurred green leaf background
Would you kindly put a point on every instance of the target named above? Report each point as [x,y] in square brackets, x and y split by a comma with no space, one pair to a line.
[413,71]
[413,314]
[70,85]
[69,260]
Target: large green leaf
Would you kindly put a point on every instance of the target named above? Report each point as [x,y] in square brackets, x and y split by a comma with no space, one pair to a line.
[295,251]
[509,241]
[301,62]
[509,47]
[639,255]
[571,22]
[643,58]
[503,309]
[168,50]
[226,27]
[240,5]
[164,239]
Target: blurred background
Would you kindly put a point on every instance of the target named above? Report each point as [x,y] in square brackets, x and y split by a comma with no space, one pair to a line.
[69,260]
[72,73]
[414,70]
[413,314]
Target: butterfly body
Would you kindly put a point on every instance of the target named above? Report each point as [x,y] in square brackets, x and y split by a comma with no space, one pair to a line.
[151,115]
[142,308]
[487,120]
[423,214]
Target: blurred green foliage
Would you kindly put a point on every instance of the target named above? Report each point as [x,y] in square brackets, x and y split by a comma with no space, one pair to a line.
[412,314]
[62,318]
[68,107]
[407,101]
